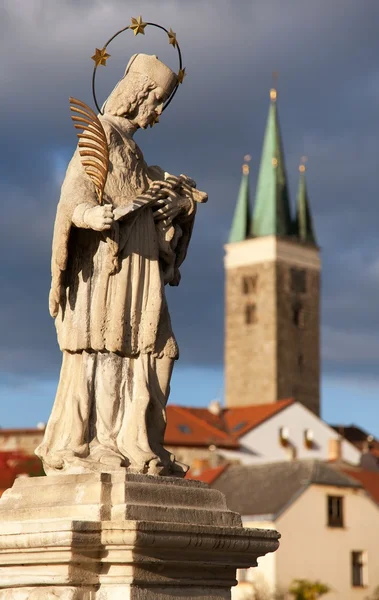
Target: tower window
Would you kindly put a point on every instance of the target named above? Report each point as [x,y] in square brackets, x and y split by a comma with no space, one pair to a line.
[298,280]
[250,314]
[249,284]
[298,316]
[300,361]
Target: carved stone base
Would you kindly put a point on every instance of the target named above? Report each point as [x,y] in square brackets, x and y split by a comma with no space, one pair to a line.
[121,537]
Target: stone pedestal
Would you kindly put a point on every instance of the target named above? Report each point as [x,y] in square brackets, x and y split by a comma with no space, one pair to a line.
[121,536]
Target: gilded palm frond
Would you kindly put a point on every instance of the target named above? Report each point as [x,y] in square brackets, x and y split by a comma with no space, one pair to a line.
[93,147]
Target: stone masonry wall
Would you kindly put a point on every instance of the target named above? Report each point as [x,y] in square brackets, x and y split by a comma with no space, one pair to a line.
[250,348]
[298,347]
[272,349]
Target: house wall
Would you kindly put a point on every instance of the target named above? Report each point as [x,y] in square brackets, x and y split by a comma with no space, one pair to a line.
[21,441]
[309,549]
[259,582]
[312,550]
[262,444]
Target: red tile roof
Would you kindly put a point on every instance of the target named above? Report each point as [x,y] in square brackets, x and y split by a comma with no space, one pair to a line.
[190,427]
[13,464]
[29,431]
[200,427]
[242,419]
[369,480]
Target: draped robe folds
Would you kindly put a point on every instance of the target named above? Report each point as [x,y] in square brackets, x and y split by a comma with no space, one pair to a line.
[112,322]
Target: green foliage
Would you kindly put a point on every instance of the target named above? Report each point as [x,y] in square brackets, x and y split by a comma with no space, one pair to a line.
[302,589]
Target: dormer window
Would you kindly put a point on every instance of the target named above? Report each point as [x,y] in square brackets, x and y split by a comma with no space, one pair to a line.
[284,436]
[308,438]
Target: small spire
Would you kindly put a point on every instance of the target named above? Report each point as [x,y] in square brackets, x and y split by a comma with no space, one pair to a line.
[242,215]
[303,222]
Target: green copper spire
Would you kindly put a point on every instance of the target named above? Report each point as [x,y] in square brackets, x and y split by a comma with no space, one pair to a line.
[303,223]
[272,210]
[241,221]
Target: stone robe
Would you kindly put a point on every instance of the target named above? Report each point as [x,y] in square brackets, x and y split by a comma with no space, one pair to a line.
[112,320]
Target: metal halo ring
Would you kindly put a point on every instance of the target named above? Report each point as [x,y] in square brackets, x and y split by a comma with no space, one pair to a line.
[111,39]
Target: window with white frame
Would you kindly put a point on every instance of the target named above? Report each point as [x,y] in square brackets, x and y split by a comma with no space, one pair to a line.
[359,568]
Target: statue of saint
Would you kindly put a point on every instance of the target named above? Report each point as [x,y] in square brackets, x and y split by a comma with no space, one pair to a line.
[110,264]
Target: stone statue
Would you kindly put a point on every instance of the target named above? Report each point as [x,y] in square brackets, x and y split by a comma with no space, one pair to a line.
[110,264]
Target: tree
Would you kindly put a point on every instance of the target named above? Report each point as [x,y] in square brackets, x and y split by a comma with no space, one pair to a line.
[302,589]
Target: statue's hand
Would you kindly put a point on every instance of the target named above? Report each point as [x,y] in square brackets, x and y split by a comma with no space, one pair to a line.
[188,180]
[99,217]
[158,188]
[172,205]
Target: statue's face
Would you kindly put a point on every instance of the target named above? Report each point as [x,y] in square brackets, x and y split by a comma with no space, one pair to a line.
[151,107]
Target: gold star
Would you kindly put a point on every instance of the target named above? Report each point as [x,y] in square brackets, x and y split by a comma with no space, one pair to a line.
[155,120]
[172,38]
[100,57]
[181,75]
[138,25]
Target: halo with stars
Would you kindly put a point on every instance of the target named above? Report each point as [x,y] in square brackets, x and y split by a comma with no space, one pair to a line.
[137,26]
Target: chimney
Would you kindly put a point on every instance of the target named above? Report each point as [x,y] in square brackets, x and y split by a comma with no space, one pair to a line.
[368,444]
[215,407]
[335,448]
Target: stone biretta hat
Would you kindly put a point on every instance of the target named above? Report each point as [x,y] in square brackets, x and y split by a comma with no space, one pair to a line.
[157,71]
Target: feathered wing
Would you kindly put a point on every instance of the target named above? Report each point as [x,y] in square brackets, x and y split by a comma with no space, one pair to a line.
[93,146]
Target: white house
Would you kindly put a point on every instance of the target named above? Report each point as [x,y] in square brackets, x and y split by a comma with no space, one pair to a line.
[282,431]
[328,523]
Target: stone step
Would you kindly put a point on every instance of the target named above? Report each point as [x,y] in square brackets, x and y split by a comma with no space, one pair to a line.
[117,496]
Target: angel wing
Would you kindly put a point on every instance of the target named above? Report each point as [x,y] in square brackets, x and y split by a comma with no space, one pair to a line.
[93,147]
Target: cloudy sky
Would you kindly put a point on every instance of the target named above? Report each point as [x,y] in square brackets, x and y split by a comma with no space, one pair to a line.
[327,56]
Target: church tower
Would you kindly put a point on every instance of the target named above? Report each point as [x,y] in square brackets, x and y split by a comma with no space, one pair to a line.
[272,288]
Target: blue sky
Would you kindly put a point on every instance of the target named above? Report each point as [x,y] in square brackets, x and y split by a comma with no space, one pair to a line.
[327,57]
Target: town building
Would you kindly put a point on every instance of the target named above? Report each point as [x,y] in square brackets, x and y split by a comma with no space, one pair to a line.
[272,288]
[328,523]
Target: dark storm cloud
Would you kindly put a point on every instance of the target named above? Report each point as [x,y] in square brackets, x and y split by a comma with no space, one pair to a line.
[326,53]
